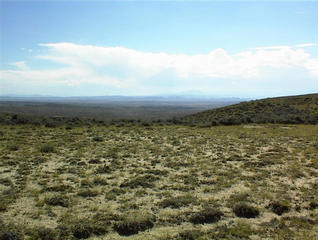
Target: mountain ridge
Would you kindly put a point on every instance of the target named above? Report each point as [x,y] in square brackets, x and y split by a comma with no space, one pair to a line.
[284,109]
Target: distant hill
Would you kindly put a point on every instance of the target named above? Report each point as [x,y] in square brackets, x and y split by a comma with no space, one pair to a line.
[289,109]
[187,97]
[46,110]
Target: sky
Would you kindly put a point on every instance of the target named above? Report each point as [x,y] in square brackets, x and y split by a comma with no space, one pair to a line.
[217,48]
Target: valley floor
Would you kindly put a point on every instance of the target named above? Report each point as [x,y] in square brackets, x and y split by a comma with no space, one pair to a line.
[159,182]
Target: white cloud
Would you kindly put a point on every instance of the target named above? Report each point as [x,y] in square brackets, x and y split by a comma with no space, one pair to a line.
[271,47]
[307,45]
[217,63]
[20,65]
[129,69]
[303,45]
[27,49]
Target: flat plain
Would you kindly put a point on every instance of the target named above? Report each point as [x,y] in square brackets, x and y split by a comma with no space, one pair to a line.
[159,181]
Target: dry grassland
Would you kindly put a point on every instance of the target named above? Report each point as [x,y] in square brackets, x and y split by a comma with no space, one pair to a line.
[159,182]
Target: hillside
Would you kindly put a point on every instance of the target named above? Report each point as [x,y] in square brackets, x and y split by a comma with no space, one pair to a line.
[290,109]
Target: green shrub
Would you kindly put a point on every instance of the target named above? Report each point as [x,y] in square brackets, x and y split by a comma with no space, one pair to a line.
[134,223]
[68,127]
[145,181]
[51,125]
[245,211]
[3,205]
[58,188]
[87,193]
[6,198]
[313,205]
[103,169]
[61,200]
[13,147]
[189,234]
[279,207]
[47,148]
[100,181]
[10,232]
[101,222]
[98,139]
[44,234]
[113,193]
[86,183]
[82,230]
[177,202]
[208,215]
[94,161]
[6,182]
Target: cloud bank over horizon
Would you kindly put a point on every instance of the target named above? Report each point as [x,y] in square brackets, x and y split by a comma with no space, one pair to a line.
[103,70]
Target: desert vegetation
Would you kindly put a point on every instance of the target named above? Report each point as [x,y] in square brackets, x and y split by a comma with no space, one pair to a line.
[158,181]
[288,110]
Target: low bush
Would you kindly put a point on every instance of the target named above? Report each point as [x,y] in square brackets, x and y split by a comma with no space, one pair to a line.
[94,161]
[47,148]
[279,207]
[86,183]
[145,181]
[62,201]
[100,181]
[51,125]
[44,234]
[103,169]
[10,232]
[245,211]
[3,205]
[134,223]
[208,215]
[68,127]
[189,234]
[98,139]
[13,147]
[239,230]
[81,230]
[6,181]
[88,193]
[113,193]
[58,188]
[177,202]
[313,205]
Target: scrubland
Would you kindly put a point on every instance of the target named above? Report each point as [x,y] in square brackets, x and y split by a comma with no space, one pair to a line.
[159,182]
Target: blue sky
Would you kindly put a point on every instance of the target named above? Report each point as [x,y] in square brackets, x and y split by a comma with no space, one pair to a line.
[240,49]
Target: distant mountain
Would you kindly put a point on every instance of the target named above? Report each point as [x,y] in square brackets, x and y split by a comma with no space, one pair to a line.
[184,97]
[289,109]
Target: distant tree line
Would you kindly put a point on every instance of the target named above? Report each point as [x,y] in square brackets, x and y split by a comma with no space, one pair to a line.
[58,121]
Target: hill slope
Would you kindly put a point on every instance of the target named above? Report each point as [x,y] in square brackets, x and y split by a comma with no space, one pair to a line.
[290,109]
